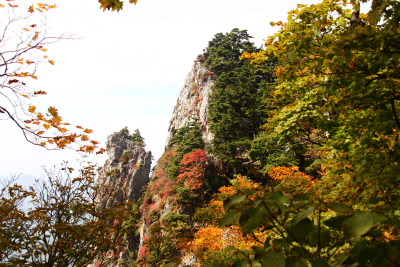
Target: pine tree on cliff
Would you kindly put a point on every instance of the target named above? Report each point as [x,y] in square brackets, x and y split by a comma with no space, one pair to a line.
[237,108]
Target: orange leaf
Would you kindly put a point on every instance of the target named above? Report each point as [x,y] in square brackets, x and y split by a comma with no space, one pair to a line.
[88,131]
[79,127]
[51,62]
[40,133]
[46,126]
[84,137]
[31,10]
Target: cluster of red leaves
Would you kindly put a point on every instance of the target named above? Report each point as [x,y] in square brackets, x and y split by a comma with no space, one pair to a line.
[192,169]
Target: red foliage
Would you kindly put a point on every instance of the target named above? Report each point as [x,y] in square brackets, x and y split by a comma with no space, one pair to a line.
[192,169]
[142,252]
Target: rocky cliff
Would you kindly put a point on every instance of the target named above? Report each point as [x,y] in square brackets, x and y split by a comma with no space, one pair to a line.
[126,171]
[193,101]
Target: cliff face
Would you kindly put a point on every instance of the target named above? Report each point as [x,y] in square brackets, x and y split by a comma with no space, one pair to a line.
[128,167]
[126,171]
[193,102]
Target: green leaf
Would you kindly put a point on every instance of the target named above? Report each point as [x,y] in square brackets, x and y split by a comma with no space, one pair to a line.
[319,263]
[273,258]
[302,215]
[339,207]
[230,218]
[379,218]
[297,263]
[260,252]
[301,229]
[340,259]
[358,224]
[252,218]
[239,263]
[232,200]
[336,222]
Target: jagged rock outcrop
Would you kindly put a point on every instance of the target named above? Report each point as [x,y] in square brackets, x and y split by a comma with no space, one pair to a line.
[193,102]
[126,170]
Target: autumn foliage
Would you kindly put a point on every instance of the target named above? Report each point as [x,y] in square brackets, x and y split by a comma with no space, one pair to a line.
[192,169]
[24,49]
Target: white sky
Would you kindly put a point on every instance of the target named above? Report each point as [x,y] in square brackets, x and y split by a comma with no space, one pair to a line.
[128,68]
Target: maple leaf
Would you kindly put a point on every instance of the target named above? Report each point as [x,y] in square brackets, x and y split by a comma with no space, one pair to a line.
[12,5]
[46,126]
[88,131]
[53,111]
[40,133]
[79,127]
[84,137]
[31,10]
[51,62]
[29,62]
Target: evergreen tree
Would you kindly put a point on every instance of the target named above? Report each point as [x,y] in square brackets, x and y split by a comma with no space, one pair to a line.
[137,138]
[237,107]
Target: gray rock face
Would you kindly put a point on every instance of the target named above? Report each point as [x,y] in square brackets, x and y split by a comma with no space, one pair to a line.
[193,102]
[127,170]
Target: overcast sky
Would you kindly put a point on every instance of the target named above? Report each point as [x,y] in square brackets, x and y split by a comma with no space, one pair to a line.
[127,68]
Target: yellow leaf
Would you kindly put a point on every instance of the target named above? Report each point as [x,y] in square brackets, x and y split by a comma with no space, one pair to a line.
[43,49]
[25,29]
[36,36]
[51,62]
[31,109]
[1,5]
